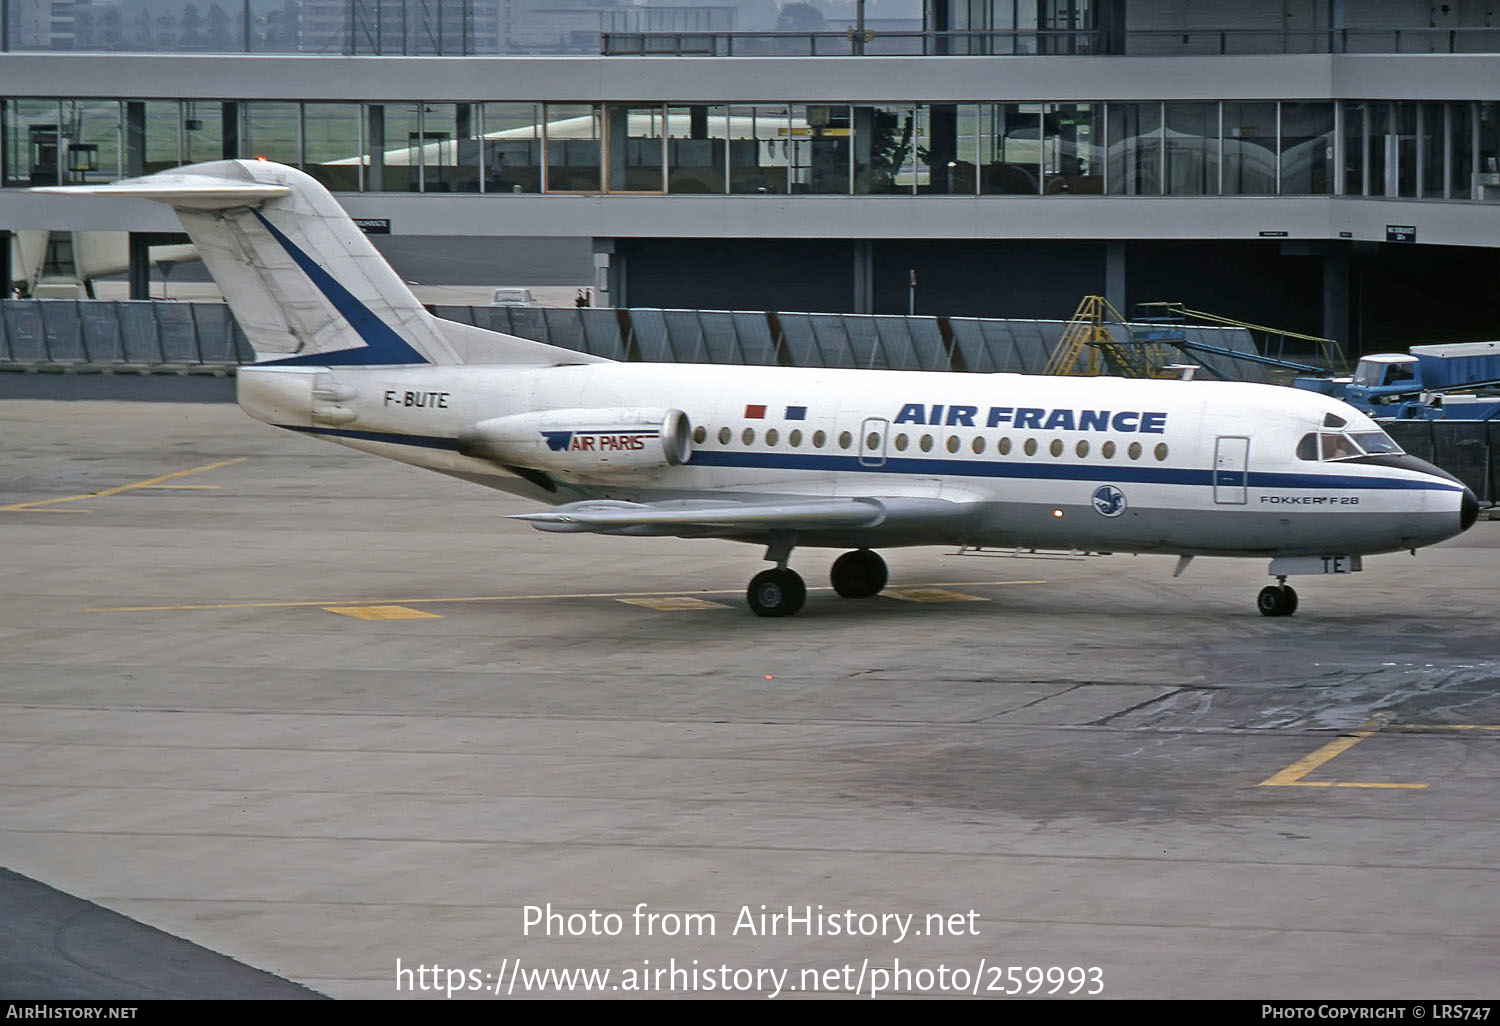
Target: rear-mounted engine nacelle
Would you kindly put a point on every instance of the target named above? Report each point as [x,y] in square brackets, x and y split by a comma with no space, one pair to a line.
[583,442]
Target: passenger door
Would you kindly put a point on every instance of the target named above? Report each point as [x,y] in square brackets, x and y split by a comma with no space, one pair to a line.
[1231,470]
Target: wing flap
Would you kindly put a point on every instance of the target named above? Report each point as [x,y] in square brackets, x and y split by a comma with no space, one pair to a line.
[703,516]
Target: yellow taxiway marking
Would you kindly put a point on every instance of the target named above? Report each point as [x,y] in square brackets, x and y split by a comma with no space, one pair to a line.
[382,613]
[931,594]
[673,603]
[1443,726]
[324,603]
[1293,774]
[151,482]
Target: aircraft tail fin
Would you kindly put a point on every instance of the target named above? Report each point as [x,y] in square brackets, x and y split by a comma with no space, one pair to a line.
[304,283]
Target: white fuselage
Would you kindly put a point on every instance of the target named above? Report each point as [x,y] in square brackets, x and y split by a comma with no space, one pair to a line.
[1104,464]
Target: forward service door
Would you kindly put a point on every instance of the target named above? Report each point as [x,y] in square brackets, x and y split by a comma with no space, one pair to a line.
[1231,470]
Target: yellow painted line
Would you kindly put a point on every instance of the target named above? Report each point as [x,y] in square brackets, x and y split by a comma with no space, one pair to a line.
[1350,783]
[672,603]
[931,594]
[382,613]
[1293,774]
[152,482]
[185,488]
[432,601]
[1444,726]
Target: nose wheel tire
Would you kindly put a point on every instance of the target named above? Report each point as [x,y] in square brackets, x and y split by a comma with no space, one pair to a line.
[776,593]
[1276,601]
[858,574]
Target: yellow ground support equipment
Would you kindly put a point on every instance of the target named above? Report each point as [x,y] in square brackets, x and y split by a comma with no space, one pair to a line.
[1089,348]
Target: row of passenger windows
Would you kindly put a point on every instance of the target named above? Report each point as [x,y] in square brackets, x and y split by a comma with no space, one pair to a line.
[902,442]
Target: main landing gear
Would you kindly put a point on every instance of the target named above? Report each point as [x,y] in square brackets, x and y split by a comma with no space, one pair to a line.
[858,574]
[1277,600]
[780,592]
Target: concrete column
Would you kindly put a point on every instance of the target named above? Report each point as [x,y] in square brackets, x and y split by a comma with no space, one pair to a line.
[864,276]
[1114,275]
[135,139]
[1109,19]
[1336,297]
[938,18]
[944,149]
[375,148]
[616,141]
[229,114]
[609,274]
[140,265]
[1336,26]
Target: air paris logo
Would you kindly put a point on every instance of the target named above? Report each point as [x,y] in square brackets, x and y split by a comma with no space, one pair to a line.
[597,441]
[1109,501]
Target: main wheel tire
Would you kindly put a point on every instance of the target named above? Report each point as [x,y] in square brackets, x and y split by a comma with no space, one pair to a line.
[776,593]
[1276,601]
[858,574]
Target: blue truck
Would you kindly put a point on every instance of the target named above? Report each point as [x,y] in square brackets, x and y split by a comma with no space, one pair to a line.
[1453,381]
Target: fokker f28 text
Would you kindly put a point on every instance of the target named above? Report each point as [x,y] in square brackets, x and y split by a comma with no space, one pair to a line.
[781,456]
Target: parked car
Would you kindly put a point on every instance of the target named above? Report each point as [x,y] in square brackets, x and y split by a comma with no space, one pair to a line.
[513,297]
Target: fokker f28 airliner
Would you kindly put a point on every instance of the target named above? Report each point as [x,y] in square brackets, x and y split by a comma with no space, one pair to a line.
[781,456]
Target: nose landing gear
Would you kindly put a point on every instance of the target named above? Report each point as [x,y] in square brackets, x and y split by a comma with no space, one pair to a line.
[1277,600]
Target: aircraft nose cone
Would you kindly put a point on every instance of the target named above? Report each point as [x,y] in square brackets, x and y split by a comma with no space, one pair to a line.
[1469,511]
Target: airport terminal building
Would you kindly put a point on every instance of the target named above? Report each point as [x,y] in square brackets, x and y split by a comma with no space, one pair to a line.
[1326,166]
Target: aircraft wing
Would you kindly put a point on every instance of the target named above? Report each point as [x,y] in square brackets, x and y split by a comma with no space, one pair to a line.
[719,517]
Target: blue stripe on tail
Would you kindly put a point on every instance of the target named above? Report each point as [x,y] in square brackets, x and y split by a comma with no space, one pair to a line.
[382,344]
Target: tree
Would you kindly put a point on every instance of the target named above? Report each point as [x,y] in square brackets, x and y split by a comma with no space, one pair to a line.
[141,31]
[166,30]
[218,32]
[281,28]
[800,17]
[193,37]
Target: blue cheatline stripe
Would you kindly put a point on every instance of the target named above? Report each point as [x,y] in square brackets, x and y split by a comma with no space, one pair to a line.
[960,468]
[1047,472]
[382,344]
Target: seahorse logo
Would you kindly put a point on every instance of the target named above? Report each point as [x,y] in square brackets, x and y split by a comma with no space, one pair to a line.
[1109,501]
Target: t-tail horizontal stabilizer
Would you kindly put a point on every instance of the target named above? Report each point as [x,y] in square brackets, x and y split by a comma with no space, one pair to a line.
[183,190]
[304,283]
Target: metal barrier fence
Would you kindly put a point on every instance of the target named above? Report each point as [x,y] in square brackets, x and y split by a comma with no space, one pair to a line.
[133,336]
[174,337]
[1466,449]
[891,342]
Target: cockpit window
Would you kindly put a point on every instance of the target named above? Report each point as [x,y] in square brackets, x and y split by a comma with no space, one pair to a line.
[1331,445]
[1332,421]
[1338,446]
[1377,442]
